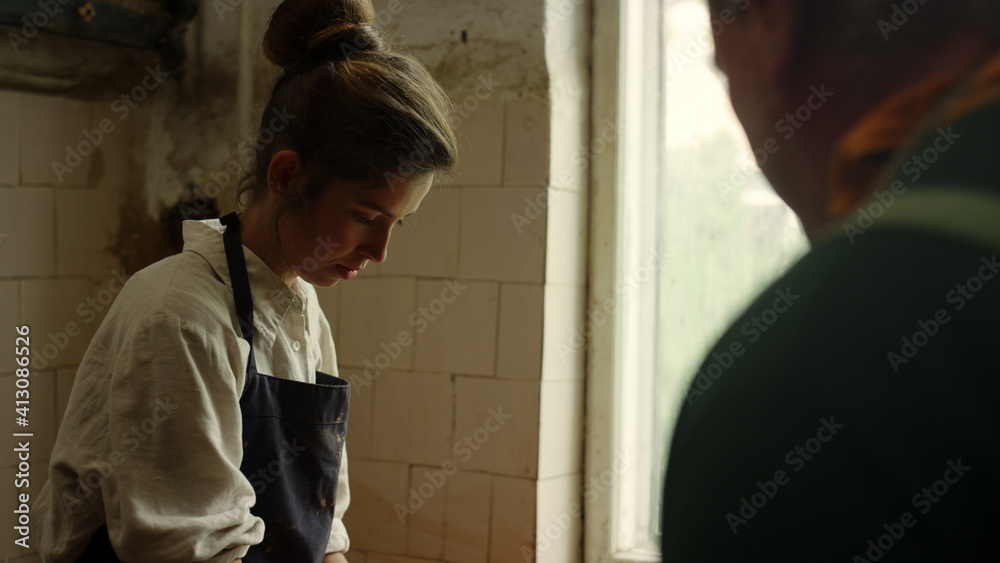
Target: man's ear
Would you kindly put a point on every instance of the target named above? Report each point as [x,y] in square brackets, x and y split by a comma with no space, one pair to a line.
[285,167]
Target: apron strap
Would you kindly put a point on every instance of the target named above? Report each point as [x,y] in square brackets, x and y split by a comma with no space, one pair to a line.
[240,280]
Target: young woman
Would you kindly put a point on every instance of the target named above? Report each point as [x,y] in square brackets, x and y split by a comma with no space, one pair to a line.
[206,422]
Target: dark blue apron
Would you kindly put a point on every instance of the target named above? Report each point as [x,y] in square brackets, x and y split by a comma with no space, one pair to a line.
[293,438]
[293,441]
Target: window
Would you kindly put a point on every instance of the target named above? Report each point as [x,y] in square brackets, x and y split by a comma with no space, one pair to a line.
[696,233]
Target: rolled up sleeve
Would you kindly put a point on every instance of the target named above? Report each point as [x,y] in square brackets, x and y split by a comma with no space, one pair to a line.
[176,493]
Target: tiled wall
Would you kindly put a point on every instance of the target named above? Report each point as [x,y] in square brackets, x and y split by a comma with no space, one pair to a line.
[509,225]
[56,274]
[467,440]
[465,347]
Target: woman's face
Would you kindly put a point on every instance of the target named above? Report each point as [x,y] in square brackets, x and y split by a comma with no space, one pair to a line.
[348,226]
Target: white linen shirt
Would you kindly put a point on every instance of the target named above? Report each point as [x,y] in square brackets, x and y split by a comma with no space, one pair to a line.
[151,441]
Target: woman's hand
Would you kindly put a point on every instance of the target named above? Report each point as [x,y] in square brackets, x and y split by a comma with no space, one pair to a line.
[335,558]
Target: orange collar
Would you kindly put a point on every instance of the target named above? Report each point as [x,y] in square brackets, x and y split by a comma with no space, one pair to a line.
[869,145]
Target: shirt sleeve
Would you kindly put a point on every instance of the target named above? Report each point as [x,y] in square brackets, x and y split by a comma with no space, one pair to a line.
[176,493]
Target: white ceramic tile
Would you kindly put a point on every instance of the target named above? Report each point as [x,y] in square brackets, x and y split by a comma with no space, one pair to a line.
[10,312]
[86,224]
[503,234]
[456,327]
[27,232]
[519,344]
[496,426]
[413,417]
[480,147]
[526,144]
[64,385]
[559,529]
[10,148]
[359,419]
[59,335]
[378,491]
[513,527]
[426,245]
[329,301]
[467,518]
[55,149]
[374,323]
[566,328]
[566,238]
[426,500]
[560,448]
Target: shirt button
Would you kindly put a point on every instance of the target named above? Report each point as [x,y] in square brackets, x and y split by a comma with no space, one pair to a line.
[296,345]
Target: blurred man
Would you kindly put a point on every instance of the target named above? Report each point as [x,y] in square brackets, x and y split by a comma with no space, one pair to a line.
[862,422]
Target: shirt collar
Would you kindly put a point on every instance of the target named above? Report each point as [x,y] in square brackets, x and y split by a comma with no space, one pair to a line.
[272,298]
[871,143]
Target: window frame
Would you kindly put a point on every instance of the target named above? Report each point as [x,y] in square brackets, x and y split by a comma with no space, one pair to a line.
[608,454]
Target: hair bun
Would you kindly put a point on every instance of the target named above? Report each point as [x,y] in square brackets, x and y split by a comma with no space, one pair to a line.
[305,33]
[337,42]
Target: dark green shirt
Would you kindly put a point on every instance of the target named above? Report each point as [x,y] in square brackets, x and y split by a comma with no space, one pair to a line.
[860,420]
